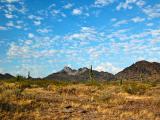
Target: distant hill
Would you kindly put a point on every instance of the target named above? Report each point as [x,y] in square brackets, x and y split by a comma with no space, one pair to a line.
[141,70]
[79,75]
[6,76]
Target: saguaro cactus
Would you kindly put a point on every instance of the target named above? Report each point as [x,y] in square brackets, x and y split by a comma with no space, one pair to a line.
[18,77]
[29,75]
[91,74]
[141,77]
[121,81]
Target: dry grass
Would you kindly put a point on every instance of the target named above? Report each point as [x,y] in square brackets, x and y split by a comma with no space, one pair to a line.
[105,101]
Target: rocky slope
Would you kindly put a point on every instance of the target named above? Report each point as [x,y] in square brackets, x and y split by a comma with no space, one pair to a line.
[141,70]
[79,75]
[6,76]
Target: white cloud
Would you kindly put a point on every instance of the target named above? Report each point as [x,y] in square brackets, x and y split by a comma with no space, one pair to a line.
[18,24]
[10,9]
[37,22]
[34,17]
[109,67]
[113,19]
[30,48]
[3,28]
[140,3]
[55,12]
[68,6]
[118,23]
[77,11]
[1,70]
[10,24]
[149,24]
[124,6]
[30,35]
[86,33]
[36,70]
[28,42]
[9,16]
[152,11]
[44,30]
[128,4]
[20,51]
[27,51]
[122,22]
[154,32]
[10,1]
[102,3]
[138,19]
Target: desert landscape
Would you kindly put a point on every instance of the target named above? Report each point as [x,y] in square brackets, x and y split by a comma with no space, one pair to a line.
[41,100]
[79,59]
[93,99]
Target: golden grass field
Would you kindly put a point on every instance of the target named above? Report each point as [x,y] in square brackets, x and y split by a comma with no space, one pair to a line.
[44,100]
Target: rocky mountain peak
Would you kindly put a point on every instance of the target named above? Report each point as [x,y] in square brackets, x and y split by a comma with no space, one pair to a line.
[84,69]
[145,69]
[80,75]
[67,69]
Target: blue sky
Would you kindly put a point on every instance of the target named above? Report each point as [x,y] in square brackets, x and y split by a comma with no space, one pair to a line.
[44,36]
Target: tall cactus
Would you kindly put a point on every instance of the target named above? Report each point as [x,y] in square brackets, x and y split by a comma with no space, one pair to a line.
[121,80]
[141,77]
[29,75]
[91,74]
[18,77]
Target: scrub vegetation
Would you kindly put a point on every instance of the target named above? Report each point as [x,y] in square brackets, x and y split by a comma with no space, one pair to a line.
[52,100]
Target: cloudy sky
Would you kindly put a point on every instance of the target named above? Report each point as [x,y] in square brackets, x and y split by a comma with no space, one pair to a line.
[43,36]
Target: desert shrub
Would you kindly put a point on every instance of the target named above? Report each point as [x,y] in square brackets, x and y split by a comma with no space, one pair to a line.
[154,84]
[52,87]
[67,90]
[105,97]
[24,84]
[93,83]
[1,89]
[134,88]
[20,77]
[115,82]
[17,92]
[6,95]
[6,107]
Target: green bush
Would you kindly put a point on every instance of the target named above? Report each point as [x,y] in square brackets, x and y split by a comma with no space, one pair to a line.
[134,88]
[93,83]
[20,77]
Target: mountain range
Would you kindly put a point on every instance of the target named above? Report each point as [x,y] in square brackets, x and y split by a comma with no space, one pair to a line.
[79,75]
[141,70]
[6,76]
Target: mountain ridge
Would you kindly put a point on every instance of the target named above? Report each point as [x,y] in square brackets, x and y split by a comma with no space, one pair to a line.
[81,74]
[6,76]
[141,70]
